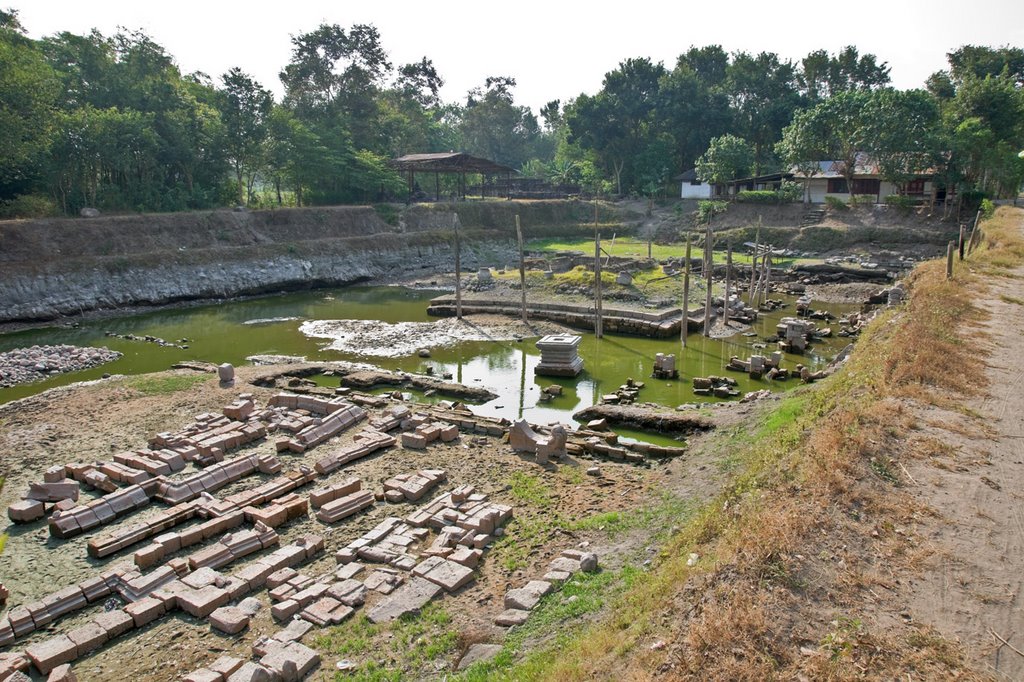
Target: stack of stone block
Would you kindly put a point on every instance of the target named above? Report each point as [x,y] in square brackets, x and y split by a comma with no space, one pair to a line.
[392,420]
[77,520]
[346,506]
[169,543]
[464,515]
[665,366]
[273,489]
[425,433]
[322,429]
[521,600]
[23,620]
[90,476]
[156,524]
[364,443]
[447,574]
[413,487]
[153,462]
[469,422]
[233,619]
[55,488]
[329,493]
[279,512]
[66,648]
[214,478]
[207,439]
[559,355]
[389,542]
[234,546]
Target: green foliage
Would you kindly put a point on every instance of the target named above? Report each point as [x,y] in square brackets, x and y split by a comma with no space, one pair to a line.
[987,208]
[27,206]
[901,202]
[706,210]
[835,203]
[788,193]
[727,158]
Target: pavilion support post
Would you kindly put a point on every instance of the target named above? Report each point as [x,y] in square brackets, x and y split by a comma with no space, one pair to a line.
[437,186]
[753,262]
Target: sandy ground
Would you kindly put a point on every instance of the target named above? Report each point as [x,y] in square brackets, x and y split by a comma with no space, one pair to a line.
[973,587]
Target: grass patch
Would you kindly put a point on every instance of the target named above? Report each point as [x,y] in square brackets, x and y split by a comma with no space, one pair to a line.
[163,384]
[530,489]
[412,643]
[1011,299]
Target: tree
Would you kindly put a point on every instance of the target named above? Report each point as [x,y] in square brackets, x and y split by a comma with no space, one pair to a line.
[823,75]
[693,105]
[618,122]
[728,158]
[763,93]
[28,95]
[494,127]
[804,144]
[246,113]
[901,133]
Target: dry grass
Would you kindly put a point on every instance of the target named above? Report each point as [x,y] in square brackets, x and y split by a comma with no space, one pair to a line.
[796,549]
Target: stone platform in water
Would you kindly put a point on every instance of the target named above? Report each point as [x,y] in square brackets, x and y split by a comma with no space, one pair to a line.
[558,355]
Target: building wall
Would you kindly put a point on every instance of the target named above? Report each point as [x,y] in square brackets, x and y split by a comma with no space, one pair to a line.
[818,190]
[701,191]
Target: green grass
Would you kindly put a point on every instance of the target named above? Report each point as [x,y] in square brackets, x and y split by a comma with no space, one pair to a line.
[411,643]
[1011,299]
[632,247]
[150,384]
[530,489]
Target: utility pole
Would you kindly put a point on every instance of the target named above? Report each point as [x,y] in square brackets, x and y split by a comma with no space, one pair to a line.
[708,262]
[522,266]
[598,321]
[684,327]
[458,270]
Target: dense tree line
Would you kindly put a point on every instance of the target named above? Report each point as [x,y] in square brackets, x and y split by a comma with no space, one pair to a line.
[111,122]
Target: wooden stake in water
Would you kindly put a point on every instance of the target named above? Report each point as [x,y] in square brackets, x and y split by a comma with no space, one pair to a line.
[522,266]
[458,270]
[753,262]
[598,322]
[710,270]
[767,275]
[728,283]
[685,323]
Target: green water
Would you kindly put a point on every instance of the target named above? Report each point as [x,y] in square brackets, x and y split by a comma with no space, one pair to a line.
[231,331]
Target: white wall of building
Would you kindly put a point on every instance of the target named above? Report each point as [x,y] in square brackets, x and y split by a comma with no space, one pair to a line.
[701,191]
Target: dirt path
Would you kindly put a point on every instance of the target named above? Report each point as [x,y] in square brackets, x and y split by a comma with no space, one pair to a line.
[971,589]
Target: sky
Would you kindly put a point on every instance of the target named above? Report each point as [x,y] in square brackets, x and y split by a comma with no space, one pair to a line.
[554,50]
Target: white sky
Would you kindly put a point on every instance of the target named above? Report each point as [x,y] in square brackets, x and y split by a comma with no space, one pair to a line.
[555,50]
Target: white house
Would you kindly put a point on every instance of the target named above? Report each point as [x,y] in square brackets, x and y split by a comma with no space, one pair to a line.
[829,181]
[692,188]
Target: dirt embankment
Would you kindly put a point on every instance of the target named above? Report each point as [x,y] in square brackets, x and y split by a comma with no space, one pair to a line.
[60,267]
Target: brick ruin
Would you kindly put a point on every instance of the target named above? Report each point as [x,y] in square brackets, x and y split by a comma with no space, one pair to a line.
[220,559]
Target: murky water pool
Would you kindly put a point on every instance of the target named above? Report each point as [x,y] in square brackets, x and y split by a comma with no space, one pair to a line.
[231,331]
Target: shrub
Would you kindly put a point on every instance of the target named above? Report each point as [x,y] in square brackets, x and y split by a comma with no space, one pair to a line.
[901,202]
[987,208]
[27,206]
[708,209]
[835,203]
[758,196]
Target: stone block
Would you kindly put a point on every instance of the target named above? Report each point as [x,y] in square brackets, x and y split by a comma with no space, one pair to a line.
[284,610]
[203,675]
[564,564]
[479,653]
[145,610]
[528,596]
[49,654]
[448,574]
[201,603]
[251,672]
[26,511]
[229,619]
[62,673]
[510,617]
[88,637]
[115,622]
[409,598]
[226,665]
[293,661]
[53,492]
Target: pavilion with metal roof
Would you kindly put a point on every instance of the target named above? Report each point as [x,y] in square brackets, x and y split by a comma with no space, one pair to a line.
[447,162]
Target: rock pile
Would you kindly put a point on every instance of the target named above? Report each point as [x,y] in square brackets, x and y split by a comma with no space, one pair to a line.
[25,365]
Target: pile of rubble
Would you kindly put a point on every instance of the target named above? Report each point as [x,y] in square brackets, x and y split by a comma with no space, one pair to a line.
[720,387]
[25,365]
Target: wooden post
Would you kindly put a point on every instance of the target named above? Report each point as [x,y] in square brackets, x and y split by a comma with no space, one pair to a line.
[961,243]
[649,240]
[753,262]
[728,282]
[522,265]
[710,271]
[767,275]
[974,231]
[684,328]
[598,322]
[458,270]
[949,261]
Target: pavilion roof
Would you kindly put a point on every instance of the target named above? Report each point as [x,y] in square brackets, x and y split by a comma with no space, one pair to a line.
[448,162]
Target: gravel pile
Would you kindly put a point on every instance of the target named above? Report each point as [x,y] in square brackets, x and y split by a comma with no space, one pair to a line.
[24,365]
